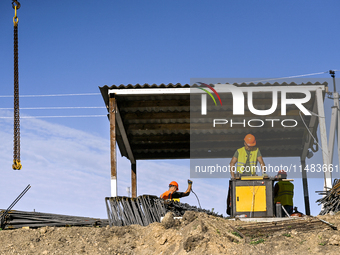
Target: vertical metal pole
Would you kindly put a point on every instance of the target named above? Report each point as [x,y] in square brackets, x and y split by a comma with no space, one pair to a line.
[333,127]
[337,125]
[337,133]
[323,134]
[112,109]
[134,180]
[305,186]
[336,108]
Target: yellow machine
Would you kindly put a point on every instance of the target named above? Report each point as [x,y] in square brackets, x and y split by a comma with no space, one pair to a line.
[252,196]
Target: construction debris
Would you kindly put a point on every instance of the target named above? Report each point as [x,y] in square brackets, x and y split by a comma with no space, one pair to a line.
[331,199]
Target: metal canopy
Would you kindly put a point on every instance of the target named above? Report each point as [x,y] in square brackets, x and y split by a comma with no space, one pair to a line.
[154,122]
[165,122]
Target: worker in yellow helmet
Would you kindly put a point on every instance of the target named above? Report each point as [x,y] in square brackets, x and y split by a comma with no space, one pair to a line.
[172,193]
[246,158]
[284,192]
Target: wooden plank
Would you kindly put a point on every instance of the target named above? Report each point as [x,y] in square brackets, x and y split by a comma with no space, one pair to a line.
[112,112]
[134,180]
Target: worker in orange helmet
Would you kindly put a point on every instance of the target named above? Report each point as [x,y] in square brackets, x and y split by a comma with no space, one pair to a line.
[173,193]
[284,192]
[247,158]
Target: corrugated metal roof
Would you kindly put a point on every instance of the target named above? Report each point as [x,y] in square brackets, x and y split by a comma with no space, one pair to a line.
[159,126]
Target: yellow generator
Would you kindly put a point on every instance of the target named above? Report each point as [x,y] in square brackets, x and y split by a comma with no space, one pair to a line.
[251,196]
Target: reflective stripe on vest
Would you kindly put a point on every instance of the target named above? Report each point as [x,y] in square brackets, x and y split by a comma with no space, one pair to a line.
[242,159]
[285,193]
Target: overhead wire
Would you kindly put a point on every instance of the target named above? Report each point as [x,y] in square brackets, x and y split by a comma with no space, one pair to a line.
[56,95]
[63,116]
[57,108]
[289,77]
[96,94]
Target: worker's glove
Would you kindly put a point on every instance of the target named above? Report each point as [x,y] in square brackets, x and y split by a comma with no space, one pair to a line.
[265,175]
[189,182]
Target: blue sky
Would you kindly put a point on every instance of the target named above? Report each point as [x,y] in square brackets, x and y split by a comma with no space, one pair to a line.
[74,47]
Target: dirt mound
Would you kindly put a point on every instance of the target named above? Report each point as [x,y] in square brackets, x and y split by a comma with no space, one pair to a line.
[195,233]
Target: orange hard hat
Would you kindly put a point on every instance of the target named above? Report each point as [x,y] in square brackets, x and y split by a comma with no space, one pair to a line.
[282,174]
[173,183]
[250,140]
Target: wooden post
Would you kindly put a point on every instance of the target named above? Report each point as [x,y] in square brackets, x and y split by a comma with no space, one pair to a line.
[112,111]
[133,180]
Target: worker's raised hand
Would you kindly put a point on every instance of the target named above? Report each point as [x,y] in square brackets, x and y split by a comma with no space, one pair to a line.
[189,182]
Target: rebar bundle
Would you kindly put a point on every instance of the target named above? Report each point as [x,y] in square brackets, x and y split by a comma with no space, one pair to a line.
[143,210]
[331,200]
[19,219]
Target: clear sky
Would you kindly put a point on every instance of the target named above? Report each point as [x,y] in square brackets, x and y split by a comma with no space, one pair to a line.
[72,47]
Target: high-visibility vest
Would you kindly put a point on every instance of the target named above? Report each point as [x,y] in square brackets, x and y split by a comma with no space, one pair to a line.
[242,159]
[167,195]
[285,193]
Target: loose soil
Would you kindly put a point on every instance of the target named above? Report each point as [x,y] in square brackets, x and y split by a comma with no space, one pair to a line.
[195,233]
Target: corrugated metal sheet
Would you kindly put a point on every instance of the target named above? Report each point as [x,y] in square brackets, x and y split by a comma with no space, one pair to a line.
[159,126]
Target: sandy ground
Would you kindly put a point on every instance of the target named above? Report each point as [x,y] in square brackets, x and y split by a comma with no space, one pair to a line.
[195,233]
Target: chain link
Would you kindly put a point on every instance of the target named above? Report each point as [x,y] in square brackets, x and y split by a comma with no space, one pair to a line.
[16,148]
[17,4]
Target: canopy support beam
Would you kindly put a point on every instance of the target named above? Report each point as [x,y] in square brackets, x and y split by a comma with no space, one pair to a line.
[324,144]
[112,116]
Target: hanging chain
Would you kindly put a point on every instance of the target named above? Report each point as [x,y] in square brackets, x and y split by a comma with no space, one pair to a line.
[16,148]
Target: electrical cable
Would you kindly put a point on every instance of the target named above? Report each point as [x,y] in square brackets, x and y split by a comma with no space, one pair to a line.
[289,77]
[96,94]
[197,198]
[310,131]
